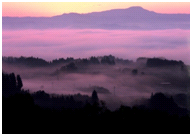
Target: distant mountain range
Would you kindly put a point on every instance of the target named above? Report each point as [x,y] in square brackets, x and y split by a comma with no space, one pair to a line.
[133,18]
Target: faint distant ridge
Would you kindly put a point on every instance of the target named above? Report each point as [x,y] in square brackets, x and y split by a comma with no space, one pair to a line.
[133,18]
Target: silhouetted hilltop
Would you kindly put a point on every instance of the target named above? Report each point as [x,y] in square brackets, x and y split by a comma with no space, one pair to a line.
[182,100]
[134,18]
[99,89]
[160,102]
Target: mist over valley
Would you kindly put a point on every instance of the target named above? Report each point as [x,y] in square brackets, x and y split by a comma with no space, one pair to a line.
[59,77]
[117,81]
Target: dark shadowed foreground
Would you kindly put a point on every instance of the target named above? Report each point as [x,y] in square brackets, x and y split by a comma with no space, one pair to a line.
[24,113]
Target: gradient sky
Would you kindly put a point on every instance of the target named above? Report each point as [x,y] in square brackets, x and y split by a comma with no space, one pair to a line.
[37,9]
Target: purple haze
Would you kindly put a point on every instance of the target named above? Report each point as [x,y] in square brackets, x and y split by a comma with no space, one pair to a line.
[78,43]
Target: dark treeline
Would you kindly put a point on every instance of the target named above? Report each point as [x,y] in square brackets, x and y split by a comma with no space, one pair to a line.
[157,62]
[71,62]
[11,84]
[22,114]
[28,61]
[38,62]
[58,102]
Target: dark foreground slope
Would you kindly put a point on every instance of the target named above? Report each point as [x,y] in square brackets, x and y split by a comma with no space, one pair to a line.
[20,115]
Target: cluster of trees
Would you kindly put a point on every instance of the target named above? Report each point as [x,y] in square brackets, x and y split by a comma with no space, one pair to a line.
[59,102]
[85,61]
[123,61]
[71,67]
[11,84]
[28,61]
[157,62]
[62,60]
[108,60]
[37,62]
[162,103]
[133,71]
[99,89]
[20,114]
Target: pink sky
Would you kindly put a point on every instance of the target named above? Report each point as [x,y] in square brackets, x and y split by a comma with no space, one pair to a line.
[37,9]
[78,43]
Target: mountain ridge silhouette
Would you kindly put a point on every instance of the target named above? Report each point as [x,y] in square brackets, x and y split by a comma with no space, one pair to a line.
[134,18]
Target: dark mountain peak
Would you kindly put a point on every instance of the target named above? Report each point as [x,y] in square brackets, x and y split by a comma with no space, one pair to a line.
[72,14]
[138,9]
[122,12]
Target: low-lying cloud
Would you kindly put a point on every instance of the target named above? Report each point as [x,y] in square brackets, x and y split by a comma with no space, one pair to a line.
[128,44]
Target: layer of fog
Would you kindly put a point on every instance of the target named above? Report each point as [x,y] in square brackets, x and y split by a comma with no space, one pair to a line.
[127,44]
[124,87]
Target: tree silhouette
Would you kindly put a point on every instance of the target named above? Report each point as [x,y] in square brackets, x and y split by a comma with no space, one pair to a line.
[94,60]
[19,82]
[12,81]
[134,71]
[108,60]
[157,62]
[94,97]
